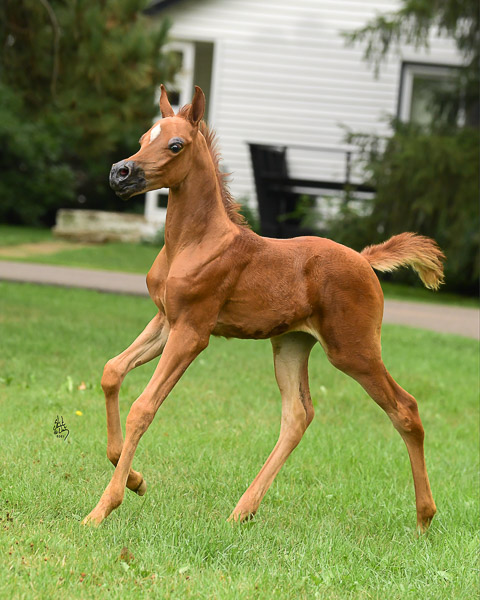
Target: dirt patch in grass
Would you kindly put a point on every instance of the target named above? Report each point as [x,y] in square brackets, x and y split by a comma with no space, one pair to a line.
[26,250]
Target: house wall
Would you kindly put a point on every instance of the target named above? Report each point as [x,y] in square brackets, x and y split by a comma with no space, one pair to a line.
[283,75]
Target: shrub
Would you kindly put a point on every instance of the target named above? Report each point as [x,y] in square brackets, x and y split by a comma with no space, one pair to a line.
[34,178]
[426,182]
[79,80]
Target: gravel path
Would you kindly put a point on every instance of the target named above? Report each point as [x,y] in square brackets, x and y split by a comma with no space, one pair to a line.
[436,317]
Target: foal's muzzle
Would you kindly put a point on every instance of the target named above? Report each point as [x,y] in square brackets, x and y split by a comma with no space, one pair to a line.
[127,179]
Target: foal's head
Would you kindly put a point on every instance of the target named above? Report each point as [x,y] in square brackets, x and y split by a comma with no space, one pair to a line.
[165,154]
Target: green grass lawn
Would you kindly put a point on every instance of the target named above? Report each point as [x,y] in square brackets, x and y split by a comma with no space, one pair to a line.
[131,258]
[10,235]
[113,256]
[338,522]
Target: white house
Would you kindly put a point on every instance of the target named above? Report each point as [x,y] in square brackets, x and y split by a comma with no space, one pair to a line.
[279,72]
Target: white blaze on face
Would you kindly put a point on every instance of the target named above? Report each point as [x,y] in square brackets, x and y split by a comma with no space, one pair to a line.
[155,132]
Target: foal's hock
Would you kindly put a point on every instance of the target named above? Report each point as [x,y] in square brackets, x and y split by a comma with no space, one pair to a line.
[214,276]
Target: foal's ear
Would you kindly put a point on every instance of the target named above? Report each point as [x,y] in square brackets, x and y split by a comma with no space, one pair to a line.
[165,108]
[197,108]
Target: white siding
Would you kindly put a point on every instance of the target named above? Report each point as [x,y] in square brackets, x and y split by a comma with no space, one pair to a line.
[283,74]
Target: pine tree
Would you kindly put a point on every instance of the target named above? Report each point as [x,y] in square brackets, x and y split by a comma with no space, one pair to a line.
[80,78]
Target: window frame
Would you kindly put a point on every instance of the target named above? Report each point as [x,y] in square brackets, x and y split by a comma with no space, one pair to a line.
[183,81]
[407,74]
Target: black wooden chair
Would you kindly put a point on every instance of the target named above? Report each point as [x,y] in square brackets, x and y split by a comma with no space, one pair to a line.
[278,193]
[277,202]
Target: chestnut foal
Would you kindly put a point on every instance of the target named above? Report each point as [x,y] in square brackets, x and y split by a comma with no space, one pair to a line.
[214,276]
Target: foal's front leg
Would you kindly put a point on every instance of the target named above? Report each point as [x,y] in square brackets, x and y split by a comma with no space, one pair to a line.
[148,345]
[183,345]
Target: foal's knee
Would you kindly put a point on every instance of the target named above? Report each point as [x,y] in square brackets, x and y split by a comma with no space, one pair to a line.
[112,377]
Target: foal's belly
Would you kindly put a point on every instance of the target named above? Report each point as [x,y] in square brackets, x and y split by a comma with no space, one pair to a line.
[271,294]
[253,326]
[247,331]
[261,313]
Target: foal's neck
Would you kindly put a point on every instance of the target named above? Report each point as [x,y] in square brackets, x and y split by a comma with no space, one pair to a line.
[196,212]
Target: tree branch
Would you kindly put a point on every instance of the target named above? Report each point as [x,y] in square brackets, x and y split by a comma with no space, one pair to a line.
[56,47]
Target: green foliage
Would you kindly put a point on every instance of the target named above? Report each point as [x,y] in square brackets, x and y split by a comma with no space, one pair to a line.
[80,79]
[158,240]
[426,178]
[425,182]
[33,175]
[250,215]
[413,23]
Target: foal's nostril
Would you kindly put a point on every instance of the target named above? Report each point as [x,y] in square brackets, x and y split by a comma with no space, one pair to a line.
[126,178]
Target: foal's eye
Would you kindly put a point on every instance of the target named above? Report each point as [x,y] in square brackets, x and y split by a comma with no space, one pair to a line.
[175,148]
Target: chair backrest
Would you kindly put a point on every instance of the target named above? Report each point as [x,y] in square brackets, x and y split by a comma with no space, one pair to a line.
[270,163]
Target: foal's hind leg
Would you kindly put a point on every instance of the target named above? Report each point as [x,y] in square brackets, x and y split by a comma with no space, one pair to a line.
[402,409]
[291,352]
[146,347]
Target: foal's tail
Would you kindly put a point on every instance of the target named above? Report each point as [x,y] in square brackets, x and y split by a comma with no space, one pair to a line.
[417,251]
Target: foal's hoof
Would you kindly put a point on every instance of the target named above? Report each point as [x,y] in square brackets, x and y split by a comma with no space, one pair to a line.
[241,516]
[92,520]
[142,488]
[425,518]
[100,512]
[423,526]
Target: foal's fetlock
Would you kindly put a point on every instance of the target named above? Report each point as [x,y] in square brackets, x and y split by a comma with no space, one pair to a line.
[136,483]
[142,488]
[113,456]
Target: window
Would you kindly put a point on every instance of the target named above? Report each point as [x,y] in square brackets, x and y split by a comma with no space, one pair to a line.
[428,93]
[180,89]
